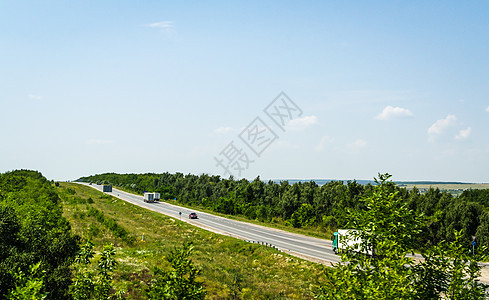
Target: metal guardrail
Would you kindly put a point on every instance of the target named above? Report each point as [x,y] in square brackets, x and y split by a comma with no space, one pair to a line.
[263,244]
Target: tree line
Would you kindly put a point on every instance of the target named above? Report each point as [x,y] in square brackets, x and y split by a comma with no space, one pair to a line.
[307,204]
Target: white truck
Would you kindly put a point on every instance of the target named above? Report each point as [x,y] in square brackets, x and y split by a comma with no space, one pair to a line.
[149,197]
[349,240]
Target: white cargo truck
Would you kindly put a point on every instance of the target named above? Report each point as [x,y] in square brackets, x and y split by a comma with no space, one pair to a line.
[148,197]
[349,240]
[156,196]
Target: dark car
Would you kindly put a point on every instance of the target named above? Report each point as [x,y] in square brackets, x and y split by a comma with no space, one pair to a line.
[193,216]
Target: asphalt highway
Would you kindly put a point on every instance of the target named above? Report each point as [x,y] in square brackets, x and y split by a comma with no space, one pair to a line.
[310,248]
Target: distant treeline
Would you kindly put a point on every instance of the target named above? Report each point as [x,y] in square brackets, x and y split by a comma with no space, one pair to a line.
[430,182]
[306,204]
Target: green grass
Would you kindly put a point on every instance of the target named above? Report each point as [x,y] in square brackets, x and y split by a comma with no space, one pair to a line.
[229,266]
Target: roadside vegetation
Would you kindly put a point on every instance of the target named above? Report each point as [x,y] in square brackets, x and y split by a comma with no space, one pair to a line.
[73,242]
[387,231]
[309,208]
[37,246]
[225,267]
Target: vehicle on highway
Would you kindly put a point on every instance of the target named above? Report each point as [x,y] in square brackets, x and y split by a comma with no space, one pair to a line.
[149,197]
[350,240]
[193,216]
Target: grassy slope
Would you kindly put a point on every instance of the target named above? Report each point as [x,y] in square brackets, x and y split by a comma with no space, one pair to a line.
[229,266]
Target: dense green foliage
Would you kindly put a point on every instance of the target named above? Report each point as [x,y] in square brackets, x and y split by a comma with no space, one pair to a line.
[179,283]
[310,205]
[33,233]
[94,285]
[377,265]
[27,286]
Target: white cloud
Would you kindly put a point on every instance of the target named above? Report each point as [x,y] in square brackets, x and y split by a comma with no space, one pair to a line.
[439,126]
[358,144]
[223,130]
[463,134]
[391,112]
[302,123]
[164,26]
[323,142]
[99,142]
[35,97]
[487,109]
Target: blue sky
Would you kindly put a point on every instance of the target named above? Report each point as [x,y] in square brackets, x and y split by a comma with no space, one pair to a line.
[158,86]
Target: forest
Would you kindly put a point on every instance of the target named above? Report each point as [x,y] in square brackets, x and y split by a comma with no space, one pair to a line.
[309,205]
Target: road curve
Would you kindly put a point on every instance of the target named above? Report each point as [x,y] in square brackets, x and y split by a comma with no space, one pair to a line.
[310,248]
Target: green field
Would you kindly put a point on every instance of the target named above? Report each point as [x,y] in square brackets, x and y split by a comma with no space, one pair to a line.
[448,186]
[231,268]
[455,189]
